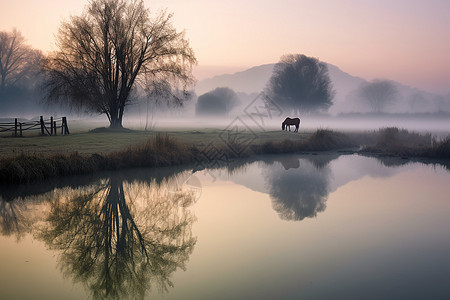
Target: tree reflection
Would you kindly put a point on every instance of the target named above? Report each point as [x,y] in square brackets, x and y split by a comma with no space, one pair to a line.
[119,238]
[18,216]
[298,193]
[12,218]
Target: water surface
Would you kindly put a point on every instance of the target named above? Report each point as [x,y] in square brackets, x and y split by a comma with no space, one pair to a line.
[289,227]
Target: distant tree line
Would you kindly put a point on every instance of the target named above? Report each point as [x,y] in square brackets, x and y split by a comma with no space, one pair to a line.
[19,63]
[20,73]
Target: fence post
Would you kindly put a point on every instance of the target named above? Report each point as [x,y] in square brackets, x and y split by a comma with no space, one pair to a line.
[64,125]
[15,127]
[20,129]
[42,125]
[54,126]
[51,126]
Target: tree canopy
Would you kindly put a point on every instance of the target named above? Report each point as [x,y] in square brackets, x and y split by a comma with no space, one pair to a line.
[216,102]
[378,93]
[300,84]
[111,48]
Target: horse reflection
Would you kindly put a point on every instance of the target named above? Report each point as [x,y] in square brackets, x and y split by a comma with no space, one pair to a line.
[118,237]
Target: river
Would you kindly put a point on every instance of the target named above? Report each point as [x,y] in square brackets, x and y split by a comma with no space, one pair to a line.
[277,227]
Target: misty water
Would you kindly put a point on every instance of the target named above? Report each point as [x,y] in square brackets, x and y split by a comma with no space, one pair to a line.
[280,227]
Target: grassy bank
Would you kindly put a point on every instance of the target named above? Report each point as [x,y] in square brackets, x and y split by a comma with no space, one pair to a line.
[104,141]
[402,143]
[202,149]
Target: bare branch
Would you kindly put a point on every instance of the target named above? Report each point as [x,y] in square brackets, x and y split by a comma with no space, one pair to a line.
[17,59]
[113,45]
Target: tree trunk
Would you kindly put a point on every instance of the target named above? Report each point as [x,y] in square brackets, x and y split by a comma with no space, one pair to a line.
[116,116]
[115,122]
[2,85]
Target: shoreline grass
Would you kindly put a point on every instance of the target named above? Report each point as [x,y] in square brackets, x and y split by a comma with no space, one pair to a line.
[392,141]
[163,150]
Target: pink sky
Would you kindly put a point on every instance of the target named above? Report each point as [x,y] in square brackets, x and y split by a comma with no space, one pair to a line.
[406,41]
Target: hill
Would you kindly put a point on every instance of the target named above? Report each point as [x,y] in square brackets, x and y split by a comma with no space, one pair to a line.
[253,80]
[249,81]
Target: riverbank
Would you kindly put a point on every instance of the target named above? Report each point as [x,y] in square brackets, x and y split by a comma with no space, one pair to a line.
[104,150]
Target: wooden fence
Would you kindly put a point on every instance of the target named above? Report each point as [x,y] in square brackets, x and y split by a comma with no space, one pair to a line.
[47,127]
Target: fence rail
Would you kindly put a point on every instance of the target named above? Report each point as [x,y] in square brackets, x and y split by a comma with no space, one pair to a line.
[47,127]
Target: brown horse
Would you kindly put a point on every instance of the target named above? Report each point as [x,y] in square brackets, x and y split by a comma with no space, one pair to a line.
[289,122]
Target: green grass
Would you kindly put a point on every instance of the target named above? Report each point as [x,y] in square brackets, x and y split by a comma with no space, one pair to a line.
[85,143]
[107,141]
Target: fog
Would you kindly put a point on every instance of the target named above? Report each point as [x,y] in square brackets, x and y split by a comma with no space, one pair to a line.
[236,102]
[252,113]
[436,124]
[239,104]
[410,109]
[249,114]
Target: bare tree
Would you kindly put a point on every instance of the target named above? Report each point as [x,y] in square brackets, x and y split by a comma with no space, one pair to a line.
[112,47]
[378,93]
[300,83]
[17,59]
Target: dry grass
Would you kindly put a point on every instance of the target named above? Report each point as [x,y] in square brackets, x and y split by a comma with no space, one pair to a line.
[158,151]
[400,142]
[324,140]
[161,150]
[320,140]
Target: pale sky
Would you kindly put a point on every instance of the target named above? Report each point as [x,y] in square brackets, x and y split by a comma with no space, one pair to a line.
[403,40]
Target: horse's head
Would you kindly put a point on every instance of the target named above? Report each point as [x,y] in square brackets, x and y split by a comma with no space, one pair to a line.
[283,125]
